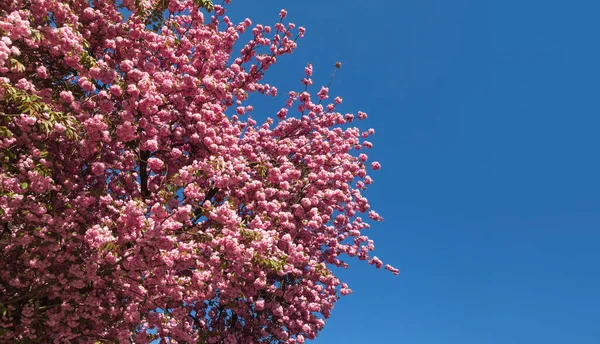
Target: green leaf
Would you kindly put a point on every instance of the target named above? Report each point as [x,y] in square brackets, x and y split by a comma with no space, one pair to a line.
[5,132]
[16,65]
[33,105]
[109,246]
[206,4]
[36,35]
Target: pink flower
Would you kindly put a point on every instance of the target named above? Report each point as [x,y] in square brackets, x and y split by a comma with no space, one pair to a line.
[277,311]
[86,85]
[392,269]
[301,31]
[376,261]
[323,93]
[59,127]
[151,145]
[98,168]
[66,96]
[345,290]
[41,72]
[375,165]
[260,283]
[115,90]
[132,90]
[155,164]
[126,65]
[259,305]
[110,44]
[308,70]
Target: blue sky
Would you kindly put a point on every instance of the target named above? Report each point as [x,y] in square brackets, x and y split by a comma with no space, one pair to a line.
[486,119]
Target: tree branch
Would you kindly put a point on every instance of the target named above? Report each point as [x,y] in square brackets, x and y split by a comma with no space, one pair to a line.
[144,155]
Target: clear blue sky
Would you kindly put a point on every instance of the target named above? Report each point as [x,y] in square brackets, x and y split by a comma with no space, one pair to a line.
[487,126]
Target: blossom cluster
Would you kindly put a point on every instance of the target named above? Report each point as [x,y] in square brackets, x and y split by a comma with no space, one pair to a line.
[139,199]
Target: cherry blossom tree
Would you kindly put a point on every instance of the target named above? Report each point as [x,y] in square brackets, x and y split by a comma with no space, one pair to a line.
[139,199]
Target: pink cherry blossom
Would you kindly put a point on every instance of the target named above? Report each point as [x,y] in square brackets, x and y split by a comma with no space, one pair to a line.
[140,199]
[155,164]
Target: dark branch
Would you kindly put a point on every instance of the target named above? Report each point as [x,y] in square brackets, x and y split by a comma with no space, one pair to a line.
[144,155]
